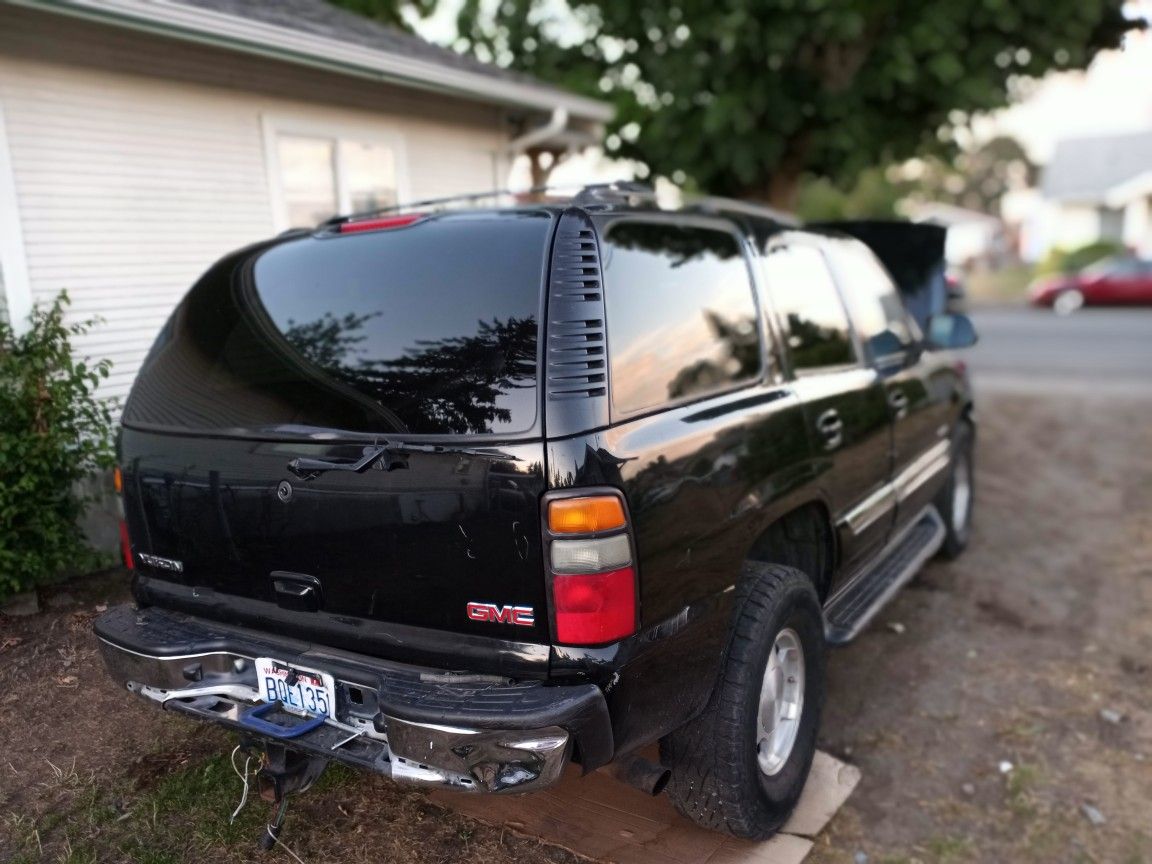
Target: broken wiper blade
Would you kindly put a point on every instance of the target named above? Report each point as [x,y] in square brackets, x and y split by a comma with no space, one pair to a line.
[308,469]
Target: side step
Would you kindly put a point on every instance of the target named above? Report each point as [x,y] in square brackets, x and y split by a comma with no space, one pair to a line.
[854,605]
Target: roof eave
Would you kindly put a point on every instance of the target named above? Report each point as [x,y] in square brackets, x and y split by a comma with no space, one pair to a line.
[268,40]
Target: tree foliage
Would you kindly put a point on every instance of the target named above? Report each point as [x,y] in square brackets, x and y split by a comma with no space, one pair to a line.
[742,97]
[54,432]
[872,194]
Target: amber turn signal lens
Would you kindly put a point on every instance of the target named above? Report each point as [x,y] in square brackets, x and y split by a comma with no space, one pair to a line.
[117,480]
[585,515]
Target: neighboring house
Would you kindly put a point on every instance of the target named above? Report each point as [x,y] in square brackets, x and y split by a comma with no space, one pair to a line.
[1097,188]
[142,139]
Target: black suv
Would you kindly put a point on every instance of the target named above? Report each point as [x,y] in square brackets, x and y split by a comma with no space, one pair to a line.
[460,496]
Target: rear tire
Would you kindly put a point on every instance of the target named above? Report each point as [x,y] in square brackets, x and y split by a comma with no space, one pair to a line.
[956,500]
[741,765]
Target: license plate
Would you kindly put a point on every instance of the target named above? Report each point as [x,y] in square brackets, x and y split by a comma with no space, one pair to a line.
[311,692]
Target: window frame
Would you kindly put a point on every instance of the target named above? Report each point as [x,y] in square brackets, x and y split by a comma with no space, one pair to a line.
[15,284]
[274,127]
[604,229]
[786,240]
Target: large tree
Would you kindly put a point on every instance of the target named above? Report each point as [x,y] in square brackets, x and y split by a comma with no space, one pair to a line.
[741,97]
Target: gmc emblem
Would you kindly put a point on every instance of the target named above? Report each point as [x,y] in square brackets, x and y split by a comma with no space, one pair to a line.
[522,616]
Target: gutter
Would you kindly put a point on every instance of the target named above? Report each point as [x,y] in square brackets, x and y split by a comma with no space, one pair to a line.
[220,30]
[556,124]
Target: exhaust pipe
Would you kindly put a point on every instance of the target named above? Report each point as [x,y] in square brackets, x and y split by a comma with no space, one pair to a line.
[639,773]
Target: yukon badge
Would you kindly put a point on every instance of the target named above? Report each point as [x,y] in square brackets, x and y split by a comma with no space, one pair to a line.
[493,614]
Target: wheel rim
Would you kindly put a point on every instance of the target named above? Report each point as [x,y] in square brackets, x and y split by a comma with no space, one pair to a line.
[781,702]
[961,495]
[1068,302]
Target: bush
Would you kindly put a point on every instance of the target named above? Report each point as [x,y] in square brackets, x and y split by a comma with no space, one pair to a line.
[53,433]
[1075,260]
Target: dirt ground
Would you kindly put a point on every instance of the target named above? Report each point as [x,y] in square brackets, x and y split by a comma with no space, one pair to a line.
[1000,708]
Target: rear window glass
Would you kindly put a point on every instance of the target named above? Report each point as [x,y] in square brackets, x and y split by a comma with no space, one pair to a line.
[427,329]
[681,314]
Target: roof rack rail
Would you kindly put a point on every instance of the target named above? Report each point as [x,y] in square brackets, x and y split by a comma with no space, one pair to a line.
[733,206]
[435,202]
[592,193]
[618,191]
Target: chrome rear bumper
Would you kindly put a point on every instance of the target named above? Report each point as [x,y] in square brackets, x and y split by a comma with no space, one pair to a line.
[481,735]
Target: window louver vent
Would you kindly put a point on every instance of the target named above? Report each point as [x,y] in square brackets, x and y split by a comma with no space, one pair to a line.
[576,361]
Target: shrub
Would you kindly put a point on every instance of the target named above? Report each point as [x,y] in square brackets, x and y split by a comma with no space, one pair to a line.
[1075,260]
[54,432]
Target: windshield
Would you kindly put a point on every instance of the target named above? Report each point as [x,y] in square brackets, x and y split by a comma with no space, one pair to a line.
[429,329]
[1113,266]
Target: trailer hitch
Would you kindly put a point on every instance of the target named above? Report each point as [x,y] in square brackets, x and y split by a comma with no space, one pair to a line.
[282,773]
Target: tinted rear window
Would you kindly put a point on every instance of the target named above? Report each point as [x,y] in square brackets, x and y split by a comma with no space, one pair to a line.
[427,329]
[681,313]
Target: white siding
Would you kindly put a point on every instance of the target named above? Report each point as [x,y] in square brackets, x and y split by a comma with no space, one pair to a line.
[129,185]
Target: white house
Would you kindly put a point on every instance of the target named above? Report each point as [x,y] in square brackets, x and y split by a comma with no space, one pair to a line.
[142,139]
[1094,188]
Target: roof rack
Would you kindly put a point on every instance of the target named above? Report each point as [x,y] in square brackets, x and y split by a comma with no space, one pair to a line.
[619,191]
[733,206]
[435,202]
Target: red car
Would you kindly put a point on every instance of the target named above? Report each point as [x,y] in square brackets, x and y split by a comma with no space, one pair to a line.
[1120,281]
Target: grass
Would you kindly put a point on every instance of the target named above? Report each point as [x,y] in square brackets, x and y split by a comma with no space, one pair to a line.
[948,848]
[182,816]
[1020,788]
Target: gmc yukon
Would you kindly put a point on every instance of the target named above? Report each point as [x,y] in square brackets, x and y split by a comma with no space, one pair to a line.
[460,495]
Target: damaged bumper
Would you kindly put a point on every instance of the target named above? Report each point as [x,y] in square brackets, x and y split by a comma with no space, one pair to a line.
[470,732]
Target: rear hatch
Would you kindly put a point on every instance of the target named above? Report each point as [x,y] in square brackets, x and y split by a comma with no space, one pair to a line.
[419,344]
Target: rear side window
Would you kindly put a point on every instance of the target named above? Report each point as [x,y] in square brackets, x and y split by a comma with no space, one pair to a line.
[431,328]
[681,313]
[805,295]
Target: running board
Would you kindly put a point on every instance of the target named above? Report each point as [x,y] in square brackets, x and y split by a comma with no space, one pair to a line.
[854,605]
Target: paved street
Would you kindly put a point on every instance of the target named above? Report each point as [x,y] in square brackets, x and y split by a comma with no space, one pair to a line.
[1034,350]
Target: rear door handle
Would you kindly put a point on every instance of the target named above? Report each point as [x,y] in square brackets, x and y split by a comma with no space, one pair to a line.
[831,428]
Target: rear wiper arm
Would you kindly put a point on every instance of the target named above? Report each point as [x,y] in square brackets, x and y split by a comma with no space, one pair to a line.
[311,468]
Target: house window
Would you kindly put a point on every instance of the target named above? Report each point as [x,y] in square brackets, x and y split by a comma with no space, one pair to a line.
[321,176]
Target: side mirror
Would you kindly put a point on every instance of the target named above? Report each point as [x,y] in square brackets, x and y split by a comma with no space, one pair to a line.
[949,331]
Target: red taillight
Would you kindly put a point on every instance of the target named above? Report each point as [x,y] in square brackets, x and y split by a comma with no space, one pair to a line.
[382,224]
[595,608]
[125,541]
[592,563]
